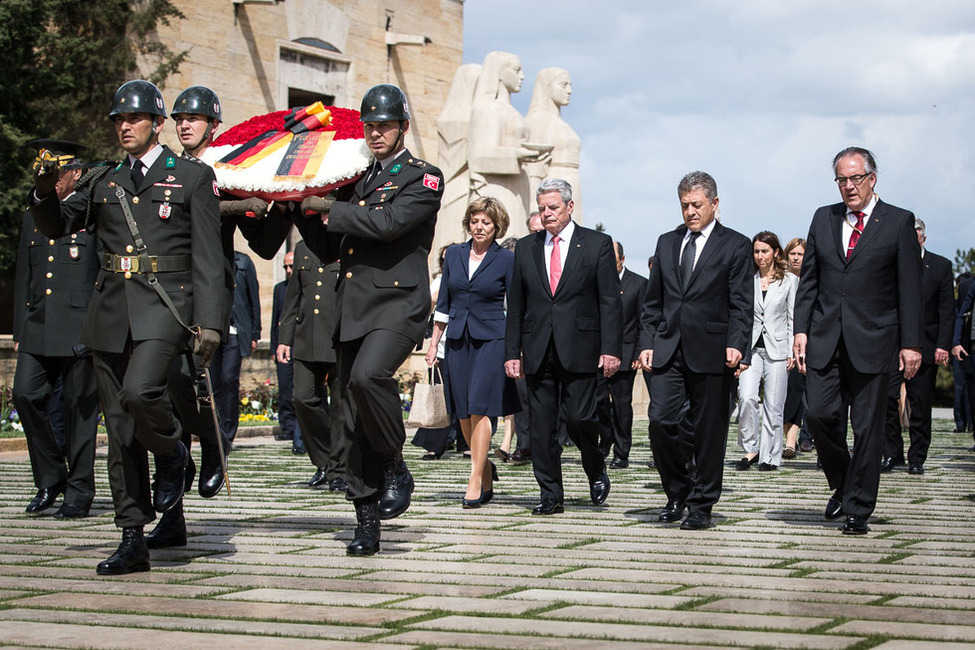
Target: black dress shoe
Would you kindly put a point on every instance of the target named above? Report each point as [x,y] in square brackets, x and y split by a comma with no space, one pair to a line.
[521,456]
[767,467]
[855,525]
[132,555]
[834,507]
[696,521]
[299,451]
[170,478]
[746,462]
[337,484]
[673,511]
[546,508]
[282,436]
[915,469]
[319,478]
[170,531]
[806,445]
[619,463]
[599,489]
[71,511]
[45,498]
[888,464]
[365,541]
[211,467]
[395,499]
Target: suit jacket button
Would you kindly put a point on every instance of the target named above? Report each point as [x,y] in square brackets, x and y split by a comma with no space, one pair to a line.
[316,311]
[50,258]
[395,283]
[128,275]
[350,251]
[349,274]
[129,249]
[50,275]
[47,291]
[51,242]
[318,284]
[321,270]
[317,297]
[361,203]
[135,200]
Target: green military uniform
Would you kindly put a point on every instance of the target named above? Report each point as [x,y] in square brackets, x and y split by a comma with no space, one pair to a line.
[134,335]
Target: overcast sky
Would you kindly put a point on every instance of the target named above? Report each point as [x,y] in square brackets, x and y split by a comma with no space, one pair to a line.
[760,94]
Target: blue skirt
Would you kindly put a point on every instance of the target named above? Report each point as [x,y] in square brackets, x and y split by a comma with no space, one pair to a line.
[476,383]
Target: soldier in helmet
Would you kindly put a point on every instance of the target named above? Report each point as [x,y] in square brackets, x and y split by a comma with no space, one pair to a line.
[197,116]
[157,218]
[381,235]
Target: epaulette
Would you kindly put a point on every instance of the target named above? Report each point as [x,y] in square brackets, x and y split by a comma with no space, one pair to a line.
[416,162]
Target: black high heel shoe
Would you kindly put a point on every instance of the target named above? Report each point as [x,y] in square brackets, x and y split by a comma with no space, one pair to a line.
[470,504]
[494,471]
[486,497]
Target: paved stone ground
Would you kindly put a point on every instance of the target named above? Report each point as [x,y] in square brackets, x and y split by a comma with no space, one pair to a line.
[268,568]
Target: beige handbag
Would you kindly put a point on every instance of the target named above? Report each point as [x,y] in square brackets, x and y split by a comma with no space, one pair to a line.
[429,409]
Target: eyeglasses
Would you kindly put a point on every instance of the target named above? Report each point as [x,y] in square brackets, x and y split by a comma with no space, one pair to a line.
[288,266]
[855,179]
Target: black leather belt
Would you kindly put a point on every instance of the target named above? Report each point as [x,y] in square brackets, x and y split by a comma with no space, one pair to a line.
[159,263]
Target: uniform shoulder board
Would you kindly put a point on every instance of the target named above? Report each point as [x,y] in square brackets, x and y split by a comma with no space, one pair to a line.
[416,162]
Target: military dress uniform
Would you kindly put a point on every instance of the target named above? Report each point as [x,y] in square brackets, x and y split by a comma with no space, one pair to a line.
[133,334]
[55,278]
[307,322]
[381,236]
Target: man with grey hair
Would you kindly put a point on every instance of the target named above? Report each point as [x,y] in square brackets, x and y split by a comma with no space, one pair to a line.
[563,330]
[938,308]
[695,333]
[858,318]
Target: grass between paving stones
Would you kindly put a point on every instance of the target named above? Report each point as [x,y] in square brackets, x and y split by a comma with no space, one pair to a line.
[695,603]
[568,546]
[893,558]
[802,572]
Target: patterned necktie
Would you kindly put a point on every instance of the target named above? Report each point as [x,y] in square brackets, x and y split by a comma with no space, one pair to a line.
[687,259]
[855,235]
[138,174]
[555,265]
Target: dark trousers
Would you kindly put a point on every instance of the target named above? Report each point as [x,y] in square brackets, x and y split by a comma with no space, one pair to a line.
[34,382]
[140,418]
[370,396]
[322,423]
[621,412]
[962,409]
[185,386]
[829,392]
[286,408]
[689,414]
[920,398]
[551,390]
[523,419]
[225,376]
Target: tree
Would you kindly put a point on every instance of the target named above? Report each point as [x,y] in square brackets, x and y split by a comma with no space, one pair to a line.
[62,62]
[964,260]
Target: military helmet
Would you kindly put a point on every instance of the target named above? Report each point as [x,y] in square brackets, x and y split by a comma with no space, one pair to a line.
[138,96]
[198,100]
[384,103]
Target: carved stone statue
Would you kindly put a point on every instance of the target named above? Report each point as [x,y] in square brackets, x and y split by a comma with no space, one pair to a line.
[453,126]
[545,124]
[497,150]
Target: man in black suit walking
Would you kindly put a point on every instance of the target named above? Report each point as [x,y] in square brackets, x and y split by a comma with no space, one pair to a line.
[858,317]
[633,290]
[563,330]
[939,318]
[697,325]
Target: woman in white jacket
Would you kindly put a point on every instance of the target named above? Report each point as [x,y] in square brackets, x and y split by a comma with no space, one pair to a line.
[775,292]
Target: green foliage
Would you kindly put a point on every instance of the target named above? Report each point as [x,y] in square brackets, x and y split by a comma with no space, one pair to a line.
[964,260]
[62,62]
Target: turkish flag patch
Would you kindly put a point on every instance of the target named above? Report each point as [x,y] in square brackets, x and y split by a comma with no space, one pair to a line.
[431,181]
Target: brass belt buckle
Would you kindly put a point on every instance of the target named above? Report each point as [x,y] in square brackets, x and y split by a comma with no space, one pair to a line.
[126,264]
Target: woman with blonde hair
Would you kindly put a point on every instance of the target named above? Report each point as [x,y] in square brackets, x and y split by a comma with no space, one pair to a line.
[470,307]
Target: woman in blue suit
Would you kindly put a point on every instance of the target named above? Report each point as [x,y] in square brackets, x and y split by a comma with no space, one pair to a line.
[475,280]
[775,294]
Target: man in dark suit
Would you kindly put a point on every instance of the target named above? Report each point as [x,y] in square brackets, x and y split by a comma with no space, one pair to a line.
[858,317]
[633,290]
[563,330]
[55,279]
[307,323]
[157,217]
[290,430]
[939,319]
[381,233]
[696,330]
[242,339]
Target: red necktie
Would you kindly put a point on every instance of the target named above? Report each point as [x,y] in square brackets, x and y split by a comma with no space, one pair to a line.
[555,266]
[855,235]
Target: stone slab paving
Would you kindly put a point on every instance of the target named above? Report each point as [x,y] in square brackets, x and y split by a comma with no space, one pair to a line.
[268,569]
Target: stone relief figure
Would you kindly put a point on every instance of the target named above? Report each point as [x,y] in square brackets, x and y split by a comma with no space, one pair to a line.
[453,127]
[499,148]
[545,124]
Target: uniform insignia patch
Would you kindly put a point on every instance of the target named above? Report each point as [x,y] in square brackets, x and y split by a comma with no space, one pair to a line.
[164,211]
[170,178]
[395,168]
[170,162]
[431,181]
[74,252]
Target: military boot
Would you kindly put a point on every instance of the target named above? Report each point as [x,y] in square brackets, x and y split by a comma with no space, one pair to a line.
[366,538]
[132,555]
[170,530]
[397,488]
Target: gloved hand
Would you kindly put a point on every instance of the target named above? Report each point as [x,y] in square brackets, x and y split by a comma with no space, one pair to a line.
[252,208]
[46,177]
[205,345]
[317,205]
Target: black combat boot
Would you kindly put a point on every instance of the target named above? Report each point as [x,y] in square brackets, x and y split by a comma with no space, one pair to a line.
[132,555]
[170,530]
[366,538]
[397,488]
